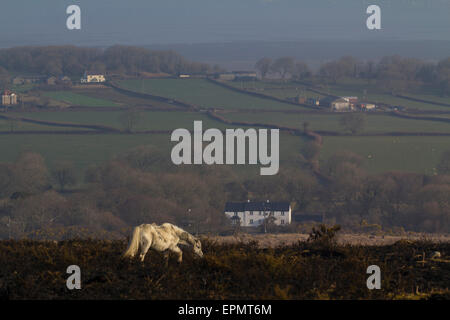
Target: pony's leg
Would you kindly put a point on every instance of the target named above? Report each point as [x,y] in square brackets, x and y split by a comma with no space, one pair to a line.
[166,258]
[178,252]
[145,245]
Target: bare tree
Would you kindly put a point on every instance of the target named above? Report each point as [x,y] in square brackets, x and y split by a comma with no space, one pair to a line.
[64,174]
[301,71]
[284,66]
[30,173]
[353,122]
[263,65]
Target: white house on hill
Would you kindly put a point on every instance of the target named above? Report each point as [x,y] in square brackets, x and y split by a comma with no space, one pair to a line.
[252,214]
[93,77]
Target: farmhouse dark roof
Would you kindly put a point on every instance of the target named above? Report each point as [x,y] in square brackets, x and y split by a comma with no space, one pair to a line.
[256,206]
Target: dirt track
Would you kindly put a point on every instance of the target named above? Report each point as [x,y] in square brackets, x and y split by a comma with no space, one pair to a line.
[273,240]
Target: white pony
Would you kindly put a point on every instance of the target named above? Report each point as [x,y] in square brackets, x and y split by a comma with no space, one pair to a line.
[161,238]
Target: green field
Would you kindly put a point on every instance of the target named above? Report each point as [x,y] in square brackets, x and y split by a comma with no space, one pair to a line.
[430,97]
[22,88]
[430,94]
[76,99]
[376,123]
[408,154]
[148,120]
[203,93]
[122,99]
[373,94]
[5,126]
[87,149]
[414,154]
[345,87]
[277,89]
[82,150]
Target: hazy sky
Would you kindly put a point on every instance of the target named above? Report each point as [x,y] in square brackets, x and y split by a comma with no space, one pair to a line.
[142,22]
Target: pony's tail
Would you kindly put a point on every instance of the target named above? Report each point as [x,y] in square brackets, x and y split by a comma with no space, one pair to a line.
[133,245]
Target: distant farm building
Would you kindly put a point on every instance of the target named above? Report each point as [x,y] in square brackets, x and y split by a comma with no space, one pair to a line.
[93,77]
[20,80]
[252,214]
[245,76]
[367,106]
[227,76]
[335,104]
[51,81]
[236,76]
[300,99]
[9,98]
[313,102]
[65,80]
[353,101]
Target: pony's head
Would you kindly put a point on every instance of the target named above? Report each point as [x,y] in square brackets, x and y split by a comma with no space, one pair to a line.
[198,248]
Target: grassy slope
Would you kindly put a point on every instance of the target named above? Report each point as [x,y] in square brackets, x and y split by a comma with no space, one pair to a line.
[410,154]
[84,150]
[356,88]
[78,99]
[148,120]
[203,93]
[376,123]
[417,154]
[122,99]
[278,89]
[26,126]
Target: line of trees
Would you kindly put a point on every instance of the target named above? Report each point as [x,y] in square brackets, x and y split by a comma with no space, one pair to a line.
[73,61]
[394,73]
[284,67]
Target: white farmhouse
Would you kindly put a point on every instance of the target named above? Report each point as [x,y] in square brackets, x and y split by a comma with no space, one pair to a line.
[93,77]
[252,214]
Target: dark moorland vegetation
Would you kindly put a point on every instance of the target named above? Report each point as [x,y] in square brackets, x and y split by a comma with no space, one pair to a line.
[306,270]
